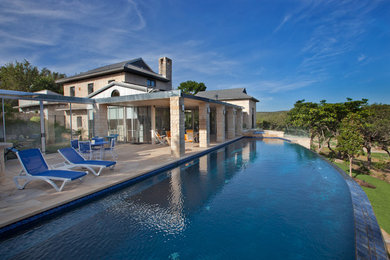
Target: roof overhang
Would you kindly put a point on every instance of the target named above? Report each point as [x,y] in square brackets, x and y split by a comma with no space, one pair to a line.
[11,94]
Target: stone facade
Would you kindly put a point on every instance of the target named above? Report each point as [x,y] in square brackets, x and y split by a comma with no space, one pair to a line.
[100,119]
[231,123]
[220,124]
[204,125]
[177,126]
[81,86]
[249,112]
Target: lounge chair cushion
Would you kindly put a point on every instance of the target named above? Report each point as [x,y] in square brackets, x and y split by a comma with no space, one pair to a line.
[72,175]
[102,163]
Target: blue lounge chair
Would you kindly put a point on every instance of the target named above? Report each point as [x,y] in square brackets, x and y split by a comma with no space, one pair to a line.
[36,168]
[73,158]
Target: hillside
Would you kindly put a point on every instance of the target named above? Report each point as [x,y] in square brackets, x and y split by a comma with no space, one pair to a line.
[271,120]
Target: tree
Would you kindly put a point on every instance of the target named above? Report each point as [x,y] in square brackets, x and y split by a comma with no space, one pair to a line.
[323,120]
[192,87]
[376,130]
[350,139]
[304,114]
[23,76]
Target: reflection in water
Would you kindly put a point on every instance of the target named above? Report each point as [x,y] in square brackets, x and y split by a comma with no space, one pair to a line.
[199,180]
[241,201]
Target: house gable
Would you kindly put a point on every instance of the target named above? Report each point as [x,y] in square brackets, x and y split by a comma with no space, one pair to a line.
[121,89]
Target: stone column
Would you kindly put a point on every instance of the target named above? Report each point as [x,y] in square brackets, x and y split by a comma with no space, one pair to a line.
[231,124]
[204,125]
[238,122]
[220,124]
[177,126]
[100,119]
[153,123]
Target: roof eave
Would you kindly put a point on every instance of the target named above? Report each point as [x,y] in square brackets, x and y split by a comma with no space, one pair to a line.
[87,76]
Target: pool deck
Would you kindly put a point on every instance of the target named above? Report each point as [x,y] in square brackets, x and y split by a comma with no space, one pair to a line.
[38,196]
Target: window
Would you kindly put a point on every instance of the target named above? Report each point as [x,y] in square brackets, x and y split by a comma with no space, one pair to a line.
[151,83]
[111,80]
[115,93]
[79,122]
[90,88]
[72,91]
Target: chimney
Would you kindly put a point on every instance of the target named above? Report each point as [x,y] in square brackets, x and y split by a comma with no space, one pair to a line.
[165,68]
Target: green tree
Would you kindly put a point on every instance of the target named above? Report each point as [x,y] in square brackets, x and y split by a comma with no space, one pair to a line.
[305,115]
[23,76]
[376,130]
[350,139]
[192,87]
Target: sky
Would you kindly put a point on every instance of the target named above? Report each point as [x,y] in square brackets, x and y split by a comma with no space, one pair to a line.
[280,51]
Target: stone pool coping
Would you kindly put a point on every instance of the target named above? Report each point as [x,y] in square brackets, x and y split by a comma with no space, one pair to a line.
[369,243]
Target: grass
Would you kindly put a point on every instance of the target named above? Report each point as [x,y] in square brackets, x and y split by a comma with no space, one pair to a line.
[379,197]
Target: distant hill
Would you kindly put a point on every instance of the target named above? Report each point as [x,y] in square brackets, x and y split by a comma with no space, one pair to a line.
[272,120]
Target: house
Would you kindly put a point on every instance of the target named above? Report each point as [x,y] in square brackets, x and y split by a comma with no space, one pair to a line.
[135,72]
[132,101]
[239,97]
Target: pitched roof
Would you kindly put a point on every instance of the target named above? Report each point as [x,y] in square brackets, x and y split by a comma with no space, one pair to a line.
[136,66]
[226,94]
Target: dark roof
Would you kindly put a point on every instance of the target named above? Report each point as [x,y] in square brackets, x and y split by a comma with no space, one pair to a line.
[226,94]
[136,66]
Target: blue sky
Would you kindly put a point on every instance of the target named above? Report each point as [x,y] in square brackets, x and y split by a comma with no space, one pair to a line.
[280,51]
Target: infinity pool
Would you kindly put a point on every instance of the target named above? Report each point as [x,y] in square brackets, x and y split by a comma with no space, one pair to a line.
[250,199]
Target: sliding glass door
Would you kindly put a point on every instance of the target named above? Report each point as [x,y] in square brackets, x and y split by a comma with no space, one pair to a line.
[138,124]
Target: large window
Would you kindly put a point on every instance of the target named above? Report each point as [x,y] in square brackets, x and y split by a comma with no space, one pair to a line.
[151,83]
[90,88]
[72,91]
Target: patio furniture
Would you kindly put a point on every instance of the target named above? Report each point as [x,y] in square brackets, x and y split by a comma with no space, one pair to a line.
[85,149]
[75,144]
[98,147]
[162,139]
[73,158]
[36,168]
[111,150]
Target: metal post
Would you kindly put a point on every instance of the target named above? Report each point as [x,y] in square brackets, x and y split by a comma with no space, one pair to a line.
[4,136]
[71,129]
[43,134]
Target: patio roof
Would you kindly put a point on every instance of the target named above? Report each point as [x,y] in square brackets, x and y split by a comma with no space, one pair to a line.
[12,94]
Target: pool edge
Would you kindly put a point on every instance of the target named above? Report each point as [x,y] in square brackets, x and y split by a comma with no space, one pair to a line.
[369,242]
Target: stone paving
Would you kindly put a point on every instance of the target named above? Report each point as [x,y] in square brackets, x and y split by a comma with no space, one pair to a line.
[38,196]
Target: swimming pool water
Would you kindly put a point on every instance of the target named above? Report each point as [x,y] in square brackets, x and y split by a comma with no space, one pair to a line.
[250,199]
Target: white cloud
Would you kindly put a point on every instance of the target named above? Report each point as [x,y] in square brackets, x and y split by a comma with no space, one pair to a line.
[285,19]
[361,57]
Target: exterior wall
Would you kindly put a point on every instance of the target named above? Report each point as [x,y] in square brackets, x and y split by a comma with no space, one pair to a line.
[122,91]
[81,86]
[220,125]
[204,125]
[247,114]
[231,122]
[142,80]
[84,122]
[177,126]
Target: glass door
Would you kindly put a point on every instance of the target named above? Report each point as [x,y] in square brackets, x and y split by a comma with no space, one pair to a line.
[138,124]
